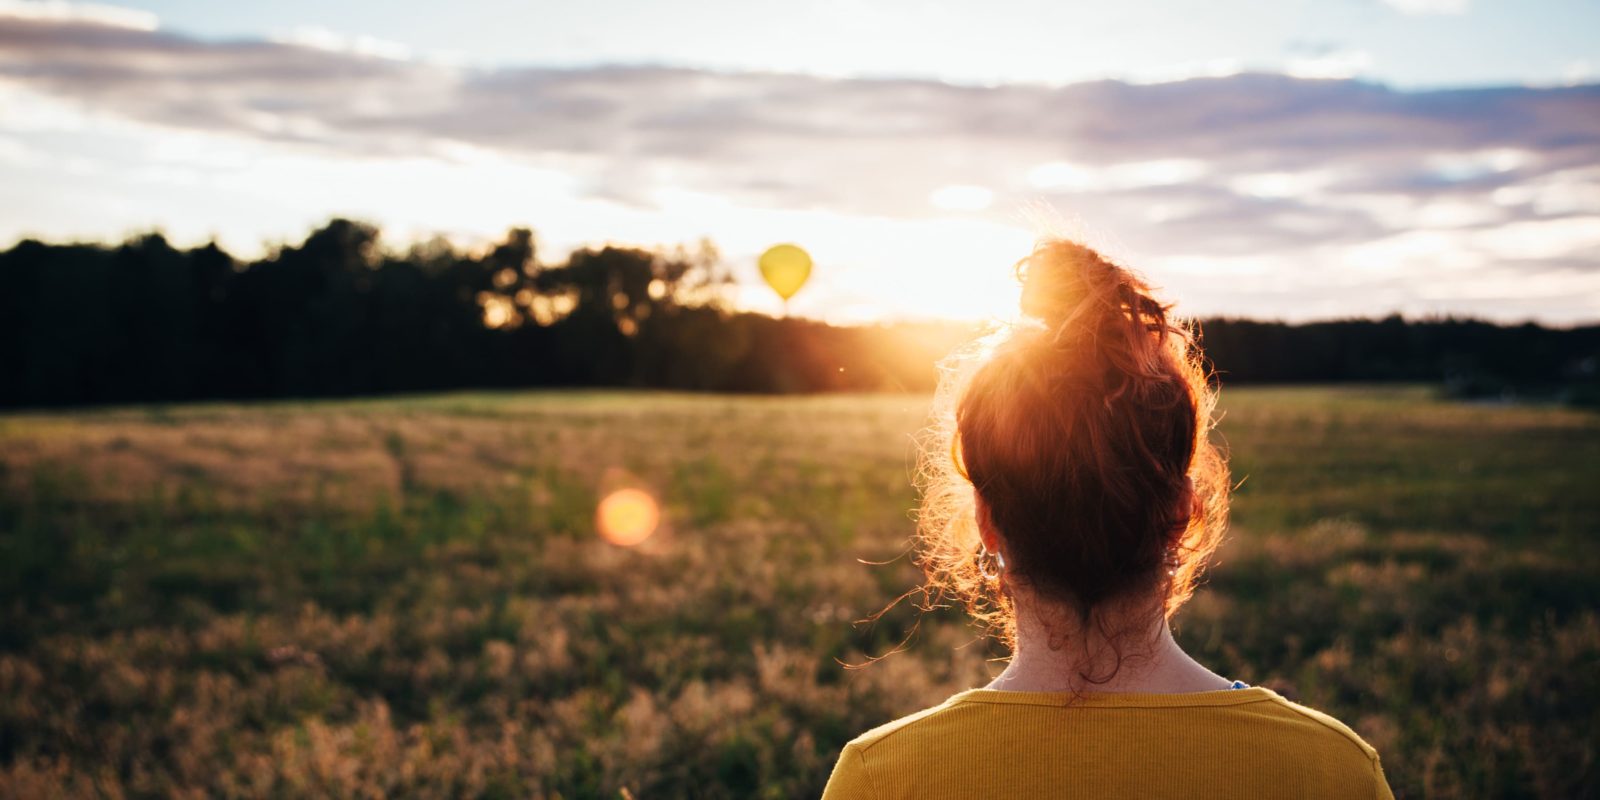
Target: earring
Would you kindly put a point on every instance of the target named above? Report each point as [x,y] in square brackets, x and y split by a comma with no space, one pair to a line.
[1171,561]
[990,563]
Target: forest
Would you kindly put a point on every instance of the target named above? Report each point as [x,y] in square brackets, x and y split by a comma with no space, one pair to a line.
[339,314]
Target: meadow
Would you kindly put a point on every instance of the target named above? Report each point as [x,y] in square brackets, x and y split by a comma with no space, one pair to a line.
[408,597]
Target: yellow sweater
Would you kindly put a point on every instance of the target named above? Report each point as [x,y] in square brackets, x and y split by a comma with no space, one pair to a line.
[1234,743]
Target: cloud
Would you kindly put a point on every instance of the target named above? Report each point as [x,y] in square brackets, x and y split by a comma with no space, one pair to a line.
[1339,64]
[58,11]
[332,41]
[1426,7]
[1236,166]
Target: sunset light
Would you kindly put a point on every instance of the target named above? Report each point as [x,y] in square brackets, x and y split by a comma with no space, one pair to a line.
[1302,154]
[757,398]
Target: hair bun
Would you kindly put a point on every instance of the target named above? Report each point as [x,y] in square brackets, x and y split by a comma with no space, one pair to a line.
[1063,281]
[1070,287]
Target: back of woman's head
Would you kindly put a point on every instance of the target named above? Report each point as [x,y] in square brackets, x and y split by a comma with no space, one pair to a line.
[1082,433]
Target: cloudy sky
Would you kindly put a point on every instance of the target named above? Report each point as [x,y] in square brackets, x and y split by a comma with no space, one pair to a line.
[1293,159]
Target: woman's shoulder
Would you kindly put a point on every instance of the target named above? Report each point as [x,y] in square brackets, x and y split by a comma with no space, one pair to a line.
[852,777]
[1316,724]
[919,719]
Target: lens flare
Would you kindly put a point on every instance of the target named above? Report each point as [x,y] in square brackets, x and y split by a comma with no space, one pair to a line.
[627,517]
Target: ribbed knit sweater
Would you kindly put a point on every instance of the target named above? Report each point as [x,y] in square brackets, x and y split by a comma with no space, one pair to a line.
[1237,743]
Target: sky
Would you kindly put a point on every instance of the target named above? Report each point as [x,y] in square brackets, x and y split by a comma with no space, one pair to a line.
[1291,160]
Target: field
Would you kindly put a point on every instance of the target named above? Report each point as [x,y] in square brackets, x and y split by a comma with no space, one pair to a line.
[407,597]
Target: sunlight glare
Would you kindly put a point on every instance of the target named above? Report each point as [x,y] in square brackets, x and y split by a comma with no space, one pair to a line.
[962,198]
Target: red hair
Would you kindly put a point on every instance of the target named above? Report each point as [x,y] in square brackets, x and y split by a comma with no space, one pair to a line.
[1084,429]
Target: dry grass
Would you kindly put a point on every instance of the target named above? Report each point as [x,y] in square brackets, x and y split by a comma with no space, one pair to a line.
[407,597]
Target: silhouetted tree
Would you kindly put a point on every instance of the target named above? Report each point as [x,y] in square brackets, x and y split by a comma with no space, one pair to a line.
[339,315]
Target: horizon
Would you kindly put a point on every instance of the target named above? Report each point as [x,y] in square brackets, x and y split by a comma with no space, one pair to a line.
[1294,179]
[398,250]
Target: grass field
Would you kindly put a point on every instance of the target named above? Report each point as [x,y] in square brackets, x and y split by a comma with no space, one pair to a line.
[407,597]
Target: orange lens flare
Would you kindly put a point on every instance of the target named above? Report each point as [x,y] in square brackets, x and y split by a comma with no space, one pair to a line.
[627,517]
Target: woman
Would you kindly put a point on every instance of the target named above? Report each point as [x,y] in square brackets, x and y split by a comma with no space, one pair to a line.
[1071,499]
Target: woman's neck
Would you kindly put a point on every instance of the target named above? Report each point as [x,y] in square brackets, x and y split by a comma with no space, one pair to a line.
[1079,658]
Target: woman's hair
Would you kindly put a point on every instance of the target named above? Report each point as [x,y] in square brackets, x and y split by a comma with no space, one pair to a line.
[1082,428]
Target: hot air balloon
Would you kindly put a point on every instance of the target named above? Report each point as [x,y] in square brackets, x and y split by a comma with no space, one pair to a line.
[785,268]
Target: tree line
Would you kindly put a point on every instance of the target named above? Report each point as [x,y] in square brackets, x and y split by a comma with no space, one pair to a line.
[339,315]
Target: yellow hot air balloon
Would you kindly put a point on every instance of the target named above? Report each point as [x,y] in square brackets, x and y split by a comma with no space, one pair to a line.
[785,268]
